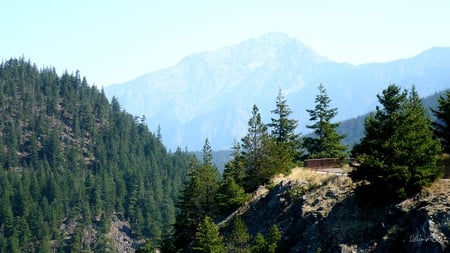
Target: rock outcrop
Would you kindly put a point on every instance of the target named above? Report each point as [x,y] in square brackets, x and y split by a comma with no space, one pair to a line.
[329,218]
[121,235]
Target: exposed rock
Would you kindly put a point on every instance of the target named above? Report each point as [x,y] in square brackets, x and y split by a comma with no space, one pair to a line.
[120,235]
[328,218]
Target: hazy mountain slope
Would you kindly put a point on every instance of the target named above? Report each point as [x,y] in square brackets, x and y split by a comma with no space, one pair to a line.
[353,128]
[211,94]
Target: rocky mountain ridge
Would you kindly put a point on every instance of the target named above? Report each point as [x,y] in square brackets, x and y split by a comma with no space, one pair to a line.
[210,94]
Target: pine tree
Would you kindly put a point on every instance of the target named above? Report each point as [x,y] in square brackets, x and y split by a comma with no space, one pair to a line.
[207,182]
[255,152]
[269,243]
[287,142]
[208,238]
[235,167]
[239,239]
[230,196]
[398,154]
[259,244]
[273,238]
[442,122]
[207,154]
[198,198]
[326,142]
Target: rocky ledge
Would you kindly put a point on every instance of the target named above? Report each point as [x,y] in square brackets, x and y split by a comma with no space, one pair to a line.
[327,217]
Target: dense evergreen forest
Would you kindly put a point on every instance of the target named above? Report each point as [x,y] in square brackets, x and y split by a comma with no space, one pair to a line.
[70,159]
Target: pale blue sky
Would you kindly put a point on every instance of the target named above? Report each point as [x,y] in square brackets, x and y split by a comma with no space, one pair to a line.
[116,41]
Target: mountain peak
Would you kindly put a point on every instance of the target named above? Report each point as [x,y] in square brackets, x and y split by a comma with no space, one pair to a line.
[210,94]
[274,38]
[249,52]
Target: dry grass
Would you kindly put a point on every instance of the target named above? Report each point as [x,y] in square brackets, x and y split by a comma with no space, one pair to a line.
[303,175]
[439,187]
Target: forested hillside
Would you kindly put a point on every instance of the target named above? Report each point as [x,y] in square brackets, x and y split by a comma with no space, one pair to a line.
[69,160]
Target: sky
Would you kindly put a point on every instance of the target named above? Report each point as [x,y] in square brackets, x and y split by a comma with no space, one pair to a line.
[116,41]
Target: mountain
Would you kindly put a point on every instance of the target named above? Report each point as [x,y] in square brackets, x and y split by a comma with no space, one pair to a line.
[73,166]
[210,94]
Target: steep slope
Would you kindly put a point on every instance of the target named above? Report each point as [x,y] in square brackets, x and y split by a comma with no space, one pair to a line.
[70,161]
[211,94]
[328,218]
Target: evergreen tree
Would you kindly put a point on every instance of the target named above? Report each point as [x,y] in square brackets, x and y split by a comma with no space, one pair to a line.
[442,122]
[287,148]
[230,196]
[269,243]
[207,154]
[197,200]
[326,142]
[239,239]
[207,182]
[235,168]
[273,238]
[259,244]
[398,154]
[208,238]
[44,246]
[255,148]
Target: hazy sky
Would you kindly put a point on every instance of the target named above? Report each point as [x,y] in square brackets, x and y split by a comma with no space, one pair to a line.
[116,41]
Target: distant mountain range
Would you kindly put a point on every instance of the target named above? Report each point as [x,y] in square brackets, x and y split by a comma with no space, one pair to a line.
[210,94]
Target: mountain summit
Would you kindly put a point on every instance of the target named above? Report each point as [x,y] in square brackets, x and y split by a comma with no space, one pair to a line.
[210,94]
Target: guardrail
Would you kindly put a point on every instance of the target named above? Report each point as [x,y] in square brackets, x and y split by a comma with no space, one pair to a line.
[323,163]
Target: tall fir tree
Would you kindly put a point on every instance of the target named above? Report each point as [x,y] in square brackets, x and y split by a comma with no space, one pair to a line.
[207,154]
[442,123]
[273,237]
[235,167]
[326,142]
[259,244]
[268,244]
[197,200]
[255,152]
[283,131]
[230,196]
[398,154]
[239,238]
[208,238]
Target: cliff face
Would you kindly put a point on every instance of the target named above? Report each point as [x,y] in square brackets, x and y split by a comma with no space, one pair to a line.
[327,217]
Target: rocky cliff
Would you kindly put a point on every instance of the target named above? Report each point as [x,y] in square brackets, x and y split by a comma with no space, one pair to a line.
[325,216]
